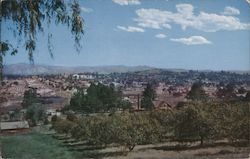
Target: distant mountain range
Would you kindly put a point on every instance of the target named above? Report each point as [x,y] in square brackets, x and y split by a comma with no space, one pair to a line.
[28,69]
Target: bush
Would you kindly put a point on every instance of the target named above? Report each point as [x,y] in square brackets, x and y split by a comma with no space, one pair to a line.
[71,117]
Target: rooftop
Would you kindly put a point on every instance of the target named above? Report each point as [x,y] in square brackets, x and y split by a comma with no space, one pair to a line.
[14,125]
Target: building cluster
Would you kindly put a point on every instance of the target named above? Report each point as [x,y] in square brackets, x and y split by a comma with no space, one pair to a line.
[170,88]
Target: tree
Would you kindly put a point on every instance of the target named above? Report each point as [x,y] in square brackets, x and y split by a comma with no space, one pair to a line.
[97,98]
[247,98]
[35,113]
[242,90]
[192,123]
[148,97]
[28,18]
[125,105]
[227,92]
[29,98]
[196,92]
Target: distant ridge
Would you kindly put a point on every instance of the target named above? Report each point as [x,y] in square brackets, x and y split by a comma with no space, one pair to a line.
[28,69]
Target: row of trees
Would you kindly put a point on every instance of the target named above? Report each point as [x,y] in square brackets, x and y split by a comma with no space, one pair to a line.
[224,92]
[195,121]
[98,98]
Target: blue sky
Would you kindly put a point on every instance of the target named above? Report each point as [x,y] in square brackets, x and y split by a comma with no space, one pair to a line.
[189,34]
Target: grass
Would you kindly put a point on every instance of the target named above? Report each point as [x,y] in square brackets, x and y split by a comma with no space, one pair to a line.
[36,145]
[33,145]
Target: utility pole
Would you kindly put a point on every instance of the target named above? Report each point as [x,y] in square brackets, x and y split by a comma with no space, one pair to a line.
[138,102]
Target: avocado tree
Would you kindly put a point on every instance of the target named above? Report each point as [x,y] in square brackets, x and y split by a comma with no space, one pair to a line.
[193,123]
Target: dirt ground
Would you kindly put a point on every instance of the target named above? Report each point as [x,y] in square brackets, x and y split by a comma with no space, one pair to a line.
[168,152]
[206,153]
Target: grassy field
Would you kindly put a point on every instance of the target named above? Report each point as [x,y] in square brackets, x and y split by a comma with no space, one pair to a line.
[33,145]
[37,145]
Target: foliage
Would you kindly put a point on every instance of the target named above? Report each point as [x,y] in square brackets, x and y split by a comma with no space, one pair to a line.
[54,118]
[98,98]
[125,105]
[196,92]
[194,121]
[247,98]
[29,98]
[36,113]
[226,92]
[71,117]
[125,129]
[15,115]
[148,97]
[232,120]
[63,126]
[28,18]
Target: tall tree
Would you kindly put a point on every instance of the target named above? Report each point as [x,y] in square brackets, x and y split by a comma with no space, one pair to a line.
[148,97]
[196,92]
[27,18]
[29,98]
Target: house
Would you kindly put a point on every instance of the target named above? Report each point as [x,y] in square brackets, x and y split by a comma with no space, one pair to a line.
[83,76]
[52,112]
[159,104]
[14,127]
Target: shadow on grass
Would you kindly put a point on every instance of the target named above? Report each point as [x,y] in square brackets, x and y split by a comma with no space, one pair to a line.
[74,145]
[61,137]
[84,148]
[195,147]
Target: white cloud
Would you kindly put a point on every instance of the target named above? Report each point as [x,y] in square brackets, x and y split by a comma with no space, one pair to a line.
[193,40]
[152,18]
[214,22]
[130,29]
[208,22]
[185,9]
[86,10]
[160,36]
[127,2]
[231,11]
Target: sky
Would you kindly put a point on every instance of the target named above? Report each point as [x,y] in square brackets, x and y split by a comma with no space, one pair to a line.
[186,34]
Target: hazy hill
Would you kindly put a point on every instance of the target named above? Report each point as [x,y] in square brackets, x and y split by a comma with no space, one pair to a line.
[27,69]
